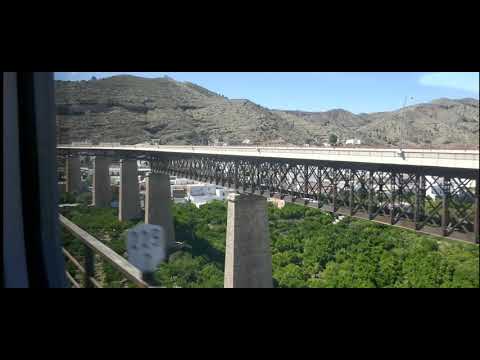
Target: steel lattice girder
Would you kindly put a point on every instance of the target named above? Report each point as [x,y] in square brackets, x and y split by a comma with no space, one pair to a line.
[438,201]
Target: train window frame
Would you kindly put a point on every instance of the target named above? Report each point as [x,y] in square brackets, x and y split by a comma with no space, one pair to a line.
[32,254]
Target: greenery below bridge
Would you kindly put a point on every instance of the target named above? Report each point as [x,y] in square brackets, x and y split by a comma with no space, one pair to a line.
[308,250]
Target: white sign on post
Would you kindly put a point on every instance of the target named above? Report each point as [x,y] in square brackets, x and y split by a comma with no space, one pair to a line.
[146,247]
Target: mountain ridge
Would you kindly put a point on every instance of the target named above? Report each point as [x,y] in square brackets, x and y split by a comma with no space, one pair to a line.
[131,109]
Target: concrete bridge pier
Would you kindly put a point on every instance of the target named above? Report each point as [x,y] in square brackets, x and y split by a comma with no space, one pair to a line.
[248,256]
[72,174]
[129,196]
[101,190]
[158,204]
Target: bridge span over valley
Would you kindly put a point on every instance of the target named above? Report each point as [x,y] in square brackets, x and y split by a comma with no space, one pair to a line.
[431,191]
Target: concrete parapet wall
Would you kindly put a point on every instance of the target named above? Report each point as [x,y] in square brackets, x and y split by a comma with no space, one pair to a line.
[465,159]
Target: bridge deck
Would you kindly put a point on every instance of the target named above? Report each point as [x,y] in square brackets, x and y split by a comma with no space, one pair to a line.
[461,159]
[434,191]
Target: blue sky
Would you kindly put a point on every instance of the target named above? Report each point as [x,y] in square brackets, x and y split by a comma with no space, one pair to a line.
[308,91]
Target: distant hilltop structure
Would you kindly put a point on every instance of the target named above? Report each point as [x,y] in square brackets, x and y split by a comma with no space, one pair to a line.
[353,142]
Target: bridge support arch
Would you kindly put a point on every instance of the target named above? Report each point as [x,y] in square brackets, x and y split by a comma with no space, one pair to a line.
[248,257]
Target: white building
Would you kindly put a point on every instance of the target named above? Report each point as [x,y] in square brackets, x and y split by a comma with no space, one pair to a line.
[180,181]
[199,200]
[221,193]
[353,142]
[115,180]
[201,189]
[201,194]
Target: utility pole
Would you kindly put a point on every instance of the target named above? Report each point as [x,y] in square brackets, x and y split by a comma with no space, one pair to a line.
[401,140]
[403,126]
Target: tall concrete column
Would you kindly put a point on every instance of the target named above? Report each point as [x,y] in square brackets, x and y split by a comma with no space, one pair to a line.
[102,191]
[158,204]
[248,256]
[72,174]
[129,197]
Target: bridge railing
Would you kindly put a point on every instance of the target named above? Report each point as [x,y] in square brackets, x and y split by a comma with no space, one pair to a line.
[93,246]
[358,152]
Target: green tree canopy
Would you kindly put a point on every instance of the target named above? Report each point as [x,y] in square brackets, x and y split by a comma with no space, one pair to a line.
[308,250]
[332,139]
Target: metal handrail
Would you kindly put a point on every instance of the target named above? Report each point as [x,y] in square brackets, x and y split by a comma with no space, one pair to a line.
[95,246]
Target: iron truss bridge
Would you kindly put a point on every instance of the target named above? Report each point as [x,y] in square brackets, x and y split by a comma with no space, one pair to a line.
[441,201]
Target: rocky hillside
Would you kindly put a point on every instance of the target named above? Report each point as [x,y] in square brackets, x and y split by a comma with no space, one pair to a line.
[131,110]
